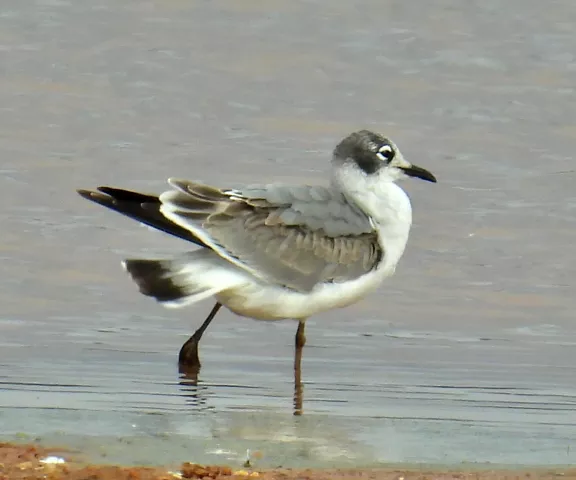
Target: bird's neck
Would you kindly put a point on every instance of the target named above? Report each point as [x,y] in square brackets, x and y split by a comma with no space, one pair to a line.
[385,203]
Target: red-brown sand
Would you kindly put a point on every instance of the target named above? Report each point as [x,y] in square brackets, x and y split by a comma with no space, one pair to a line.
[18,462]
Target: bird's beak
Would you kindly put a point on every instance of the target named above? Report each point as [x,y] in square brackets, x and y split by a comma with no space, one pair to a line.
[418,172]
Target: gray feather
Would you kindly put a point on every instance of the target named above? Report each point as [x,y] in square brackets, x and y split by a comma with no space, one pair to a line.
[292,236]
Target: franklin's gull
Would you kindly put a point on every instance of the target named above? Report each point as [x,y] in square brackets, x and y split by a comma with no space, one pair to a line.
[273,252]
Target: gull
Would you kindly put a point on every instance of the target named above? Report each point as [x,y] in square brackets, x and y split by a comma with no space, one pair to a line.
[275,251]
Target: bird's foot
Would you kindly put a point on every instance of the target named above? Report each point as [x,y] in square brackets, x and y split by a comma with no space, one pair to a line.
[188,360]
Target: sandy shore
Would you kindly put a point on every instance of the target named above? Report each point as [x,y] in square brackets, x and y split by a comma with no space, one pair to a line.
[35,462]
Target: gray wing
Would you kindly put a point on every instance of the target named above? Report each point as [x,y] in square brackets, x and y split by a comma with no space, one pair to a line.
[292,236]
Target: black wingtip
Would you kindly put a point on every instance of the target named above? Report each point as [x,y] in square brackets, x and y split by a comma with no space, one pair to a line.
[111,190]
[97,197]
[123,195]
[142,207]
[84,193]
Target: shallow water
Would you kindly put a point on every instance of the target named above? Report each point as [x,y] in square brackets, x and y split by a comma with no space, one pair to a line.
[466,355]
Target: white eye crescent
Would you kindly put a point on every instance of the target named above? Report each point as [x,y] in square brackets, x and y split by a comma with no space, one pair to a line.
[385,153]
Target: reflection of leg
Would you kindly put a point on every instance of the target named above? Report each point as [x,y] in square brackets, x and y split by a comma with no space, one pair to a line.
[188,358]
[300,341]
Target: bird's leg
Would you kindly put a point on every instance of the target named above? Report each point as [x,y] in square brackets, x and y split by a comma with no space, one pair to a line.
[188,360]
[300,341]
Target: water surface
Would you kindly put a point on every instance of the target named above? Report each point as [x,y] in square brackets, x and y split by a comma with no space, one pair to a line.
[466,355]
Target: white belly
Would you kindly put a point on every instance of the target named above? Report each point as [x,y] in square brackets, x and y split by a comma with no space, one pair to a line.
[266,302]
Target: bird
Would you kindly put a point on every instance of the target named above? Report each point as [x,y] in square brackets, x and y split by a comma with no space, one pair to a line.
[277,251]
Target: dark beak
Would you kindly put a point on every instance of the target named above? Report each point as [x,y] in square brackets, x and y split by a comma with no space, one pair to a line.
[419,172]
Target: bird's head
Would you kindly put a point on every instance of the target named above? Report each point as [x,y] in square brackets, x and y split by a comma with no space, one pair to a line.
[372,154]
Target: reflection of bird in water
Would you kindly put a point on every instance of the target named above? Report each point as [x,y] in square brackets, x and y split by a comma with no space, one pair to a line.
[195,392]
[274,251]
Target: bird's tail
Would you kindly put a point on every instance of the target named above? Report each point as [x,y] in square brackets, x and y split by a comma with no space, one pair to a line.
[183,280]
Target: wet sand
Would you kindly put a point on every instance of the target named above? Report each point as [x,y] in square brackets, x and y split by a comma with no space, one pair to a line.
[465,355]
[37,463]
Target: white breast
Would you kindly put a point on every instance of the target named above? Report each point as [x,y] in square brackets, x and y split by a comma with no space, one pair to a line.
[390,209]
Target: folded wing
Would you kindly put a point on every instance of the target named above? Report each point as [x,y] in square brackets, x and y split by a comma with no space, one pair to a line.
[292,236]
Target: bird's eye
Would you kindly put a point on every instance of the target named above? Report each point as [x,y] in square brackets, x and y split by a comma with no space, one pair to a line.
[385,153]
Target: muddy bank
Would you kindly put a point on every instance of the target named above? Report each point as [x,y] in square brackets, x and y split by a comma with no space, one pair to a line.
[35,462]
